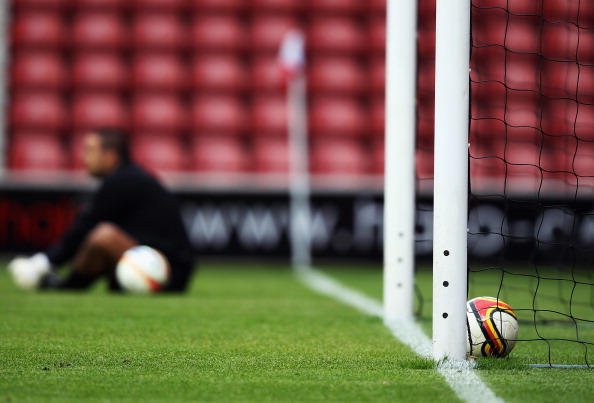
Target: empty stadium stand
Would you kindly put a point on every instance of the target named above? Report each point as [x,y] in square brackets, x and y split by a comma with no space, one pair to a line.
[197,80]
[200,82]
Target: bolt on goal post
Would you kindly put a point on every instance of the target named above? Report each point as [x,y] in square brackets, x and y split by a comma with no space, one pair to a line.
[450,193]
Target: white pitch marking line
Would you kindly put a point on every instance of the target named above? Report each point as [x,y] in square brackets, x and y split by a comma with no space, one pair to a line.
[461,377]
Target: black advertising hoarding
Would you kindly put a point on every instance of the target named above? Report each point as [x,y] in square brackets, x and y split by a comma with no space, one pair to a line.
[343,225]
[219,224]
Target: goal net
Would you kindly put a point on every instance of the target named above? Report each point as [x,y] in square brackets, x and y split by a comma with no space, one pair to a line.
[531,192]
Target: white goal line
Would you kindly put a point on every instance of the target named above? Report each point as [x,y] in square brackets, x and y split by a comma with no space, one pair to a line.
[460,376]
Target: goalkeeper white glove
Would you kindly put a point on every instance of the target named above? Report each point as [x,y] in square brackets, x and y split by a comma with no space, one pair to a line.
[27,273]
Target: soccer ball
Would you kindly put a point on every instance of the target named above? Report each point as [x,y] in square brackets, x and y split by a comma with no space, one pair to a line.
[491,326]
[142,269]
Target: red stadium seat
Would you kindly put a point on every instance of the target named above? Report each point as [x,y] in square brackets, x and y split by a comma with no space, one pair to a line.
[487,168]
[218,154]
[377,75]
[270,115]
[584,122]
[523,161]
[218,32]
[426,127]
[426,16]
[493,138]
[583,163]
[426,84]
[218,114]
[335,35]
[100,4]
[583,81]
[426,42]
[277,5]
[487,150]
[219,5]
[567,80]
[490,3]
[522,34]
[565,41]
[37,70]
[488,100]
[338,156]
[336,75]
[268,31]
[489,26]
[155,71]
[271,154]
[378,116]
[518,33]
[163,112]
[488,63]
[158,30]
[523,71]
[379,157]
[522,109]
[424,164]
[556,153]
[377,34]
[377,6]
[517,7]
[336,116]
[98,110]
[75,151]
[99,71]
[576,11]
[35,151]
[173,5]
[561,79]
[489,92]
[486,138]
[219,72]
[267,74]
[159,152]
[482,110]
[40,4]
[426,80]
[337,6]
[99,30]
[558,116]
[37,29]
[38,111]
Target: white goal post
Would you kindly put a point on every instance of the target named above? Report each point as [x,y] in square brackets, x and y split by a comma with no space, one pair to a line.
[450,193]
[399,187]
[451,171]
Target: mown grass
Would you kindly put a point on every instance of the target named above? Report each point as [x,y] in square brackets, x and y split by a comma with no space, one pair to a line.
[512,378]
[244,333]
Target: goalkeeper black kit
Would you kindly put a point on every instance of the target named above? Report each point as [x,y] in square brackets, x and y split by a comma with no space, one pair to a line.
[138,204]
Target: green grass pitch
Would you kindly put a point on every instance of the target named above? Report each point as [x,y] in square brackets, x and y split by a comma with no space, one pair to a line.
[244,333]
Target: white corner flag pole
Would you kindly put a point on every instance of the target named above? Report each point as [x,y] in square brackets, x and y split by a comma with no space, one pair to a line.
[451,179]
[292,59]
[400,134]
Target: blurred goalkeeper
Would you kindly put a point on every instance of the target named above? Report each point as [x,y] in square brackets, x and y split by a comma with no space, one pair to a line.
[129,208]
